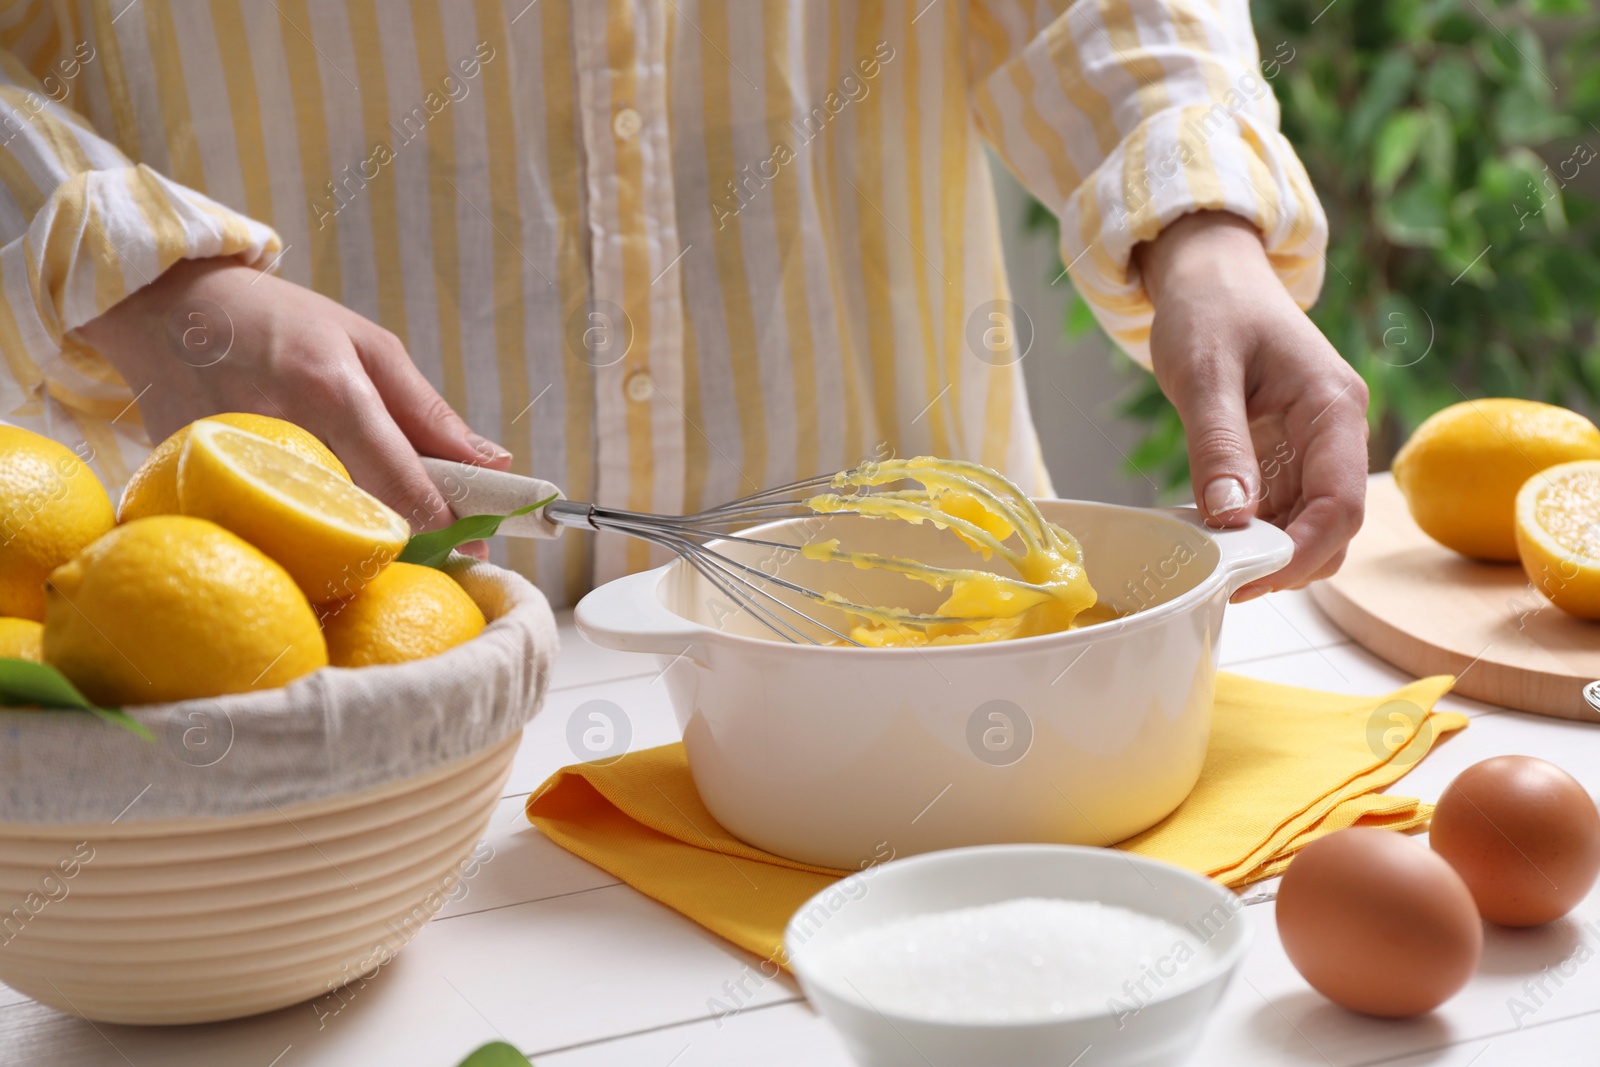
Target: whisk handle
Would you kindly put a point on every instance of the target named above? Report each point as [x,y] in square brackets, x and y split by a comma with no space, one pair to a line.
[473,490]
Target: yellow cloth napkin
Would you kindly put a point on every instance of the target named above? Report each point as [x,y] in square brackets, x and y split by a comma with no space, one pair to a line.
[1284,767]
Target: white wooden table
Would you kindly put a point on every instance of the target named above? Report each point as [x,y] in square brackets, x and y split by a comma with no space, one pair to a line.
[576,970]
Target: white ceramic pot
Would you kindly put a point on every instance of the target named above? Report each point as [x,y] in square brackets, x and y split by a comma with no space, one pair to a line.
[1154,1020]
[839,755]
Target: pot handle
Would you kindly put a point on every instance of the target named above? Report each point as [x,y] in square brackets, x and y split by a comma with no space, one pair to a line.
[1248,552]
[627,615]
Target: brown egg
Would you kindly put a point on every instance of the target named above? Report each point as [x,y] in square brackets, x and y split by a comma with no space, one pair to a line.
[1377,923]
[1523,835]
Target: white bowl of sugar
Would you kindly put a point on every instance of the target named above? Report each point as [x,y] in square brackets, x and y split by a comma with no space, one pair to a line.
[1020,955]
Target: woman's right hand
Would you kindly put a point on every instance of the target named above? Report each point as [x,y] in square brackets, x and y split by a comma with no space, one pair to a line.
[211,336]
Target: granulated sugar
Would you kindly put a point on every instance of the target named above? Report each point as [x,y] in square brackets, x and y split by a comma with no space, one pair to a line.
[1029,959]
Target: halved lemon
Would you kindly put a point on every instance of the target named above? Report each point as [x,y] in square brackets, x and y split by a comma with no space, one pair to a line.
[330,535]
[1558,535]
[153,488]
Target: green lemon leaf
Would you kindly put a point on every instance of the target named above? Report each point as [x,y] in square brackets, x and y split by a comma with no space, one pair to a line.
[496,1054]
[431,549]
[25,684]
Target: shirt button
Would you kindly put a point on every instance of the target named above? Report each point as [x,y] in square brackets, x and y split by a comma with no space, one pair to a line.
[639,386]
[626,123]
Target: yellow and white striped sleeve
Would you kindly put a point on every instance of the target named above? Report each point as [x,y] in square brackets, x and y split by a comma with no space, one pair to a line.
[1123,115]
[81,227]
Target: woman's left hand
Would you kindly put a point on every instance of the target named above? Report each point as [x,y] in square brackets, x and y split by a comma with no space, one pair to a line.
[1275,418]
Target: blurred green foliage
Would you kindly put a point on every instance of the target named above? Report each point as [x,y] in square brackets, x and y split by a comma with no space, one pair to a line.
[1450,165]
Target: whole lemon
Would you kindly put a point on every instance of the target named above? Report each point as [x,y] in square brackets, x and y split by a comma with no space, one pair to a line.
[407,612]
[19,639]
[1461,469]
[51,505]
[153,489]
[175,608]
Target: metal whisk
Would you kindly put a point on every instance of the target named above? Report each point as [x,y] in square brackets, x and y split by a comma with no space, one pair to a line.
[475,490]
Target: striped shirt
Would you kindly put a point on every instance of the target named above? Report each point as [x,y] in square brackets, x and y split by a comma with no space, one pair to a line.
[665,251]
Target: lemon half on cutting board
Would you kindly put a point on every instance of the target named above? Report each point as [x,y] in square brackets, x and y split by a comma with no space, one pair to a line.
[1558,535]
[330,535]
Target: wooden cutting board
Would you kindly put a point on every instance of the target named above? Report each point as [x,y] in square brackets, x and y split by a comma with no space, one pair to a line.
[1427,610]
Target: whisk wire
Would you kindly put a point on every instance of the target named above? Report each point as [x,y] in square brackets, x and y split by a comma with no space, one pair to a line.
[745,585]
[719,570]
[740,590]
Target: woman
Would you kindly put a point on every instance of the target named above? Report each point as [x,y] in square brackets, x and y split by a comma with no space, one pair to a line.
[662,252]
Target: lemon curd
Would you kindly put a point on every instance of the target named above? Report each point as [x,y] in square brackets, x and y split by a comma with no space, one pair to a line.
[1048,591]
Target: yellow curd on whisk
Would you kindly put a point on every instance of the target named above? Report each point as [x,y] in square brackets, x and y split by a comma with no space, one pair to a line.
[1048,590]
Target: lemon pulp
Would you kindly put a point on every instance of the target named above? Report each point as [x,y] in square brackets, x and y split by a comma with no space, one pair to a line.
[1569,511]
[330,535]
[1558,535]
[153,488]
[1048,592]
[303,485]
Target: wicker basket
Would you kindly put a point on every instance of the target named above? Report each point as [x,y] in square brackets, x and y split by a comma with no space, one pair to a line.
[290,865]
